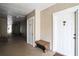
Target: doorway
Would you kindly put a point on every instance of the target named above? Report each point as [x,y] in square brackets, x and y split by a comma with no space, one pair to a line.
[65,31]
[30,31]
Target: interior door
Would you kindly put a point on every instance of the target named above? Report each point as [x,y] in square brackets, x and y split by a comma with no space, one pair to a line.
[64,31]
[30,30]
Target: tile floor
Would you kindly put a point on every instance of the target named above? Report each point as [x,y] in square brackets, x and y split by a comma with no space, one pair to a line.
[18,47]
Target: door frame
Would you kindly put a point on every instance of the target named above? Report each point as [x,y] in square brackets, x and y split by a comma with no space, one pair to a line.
[76,33]
[76,30]
[33,27]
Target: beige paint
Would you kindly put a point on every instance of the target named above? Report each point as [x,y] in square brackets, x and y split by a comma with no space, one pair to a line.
[3,26]
[46,19]
[37,24]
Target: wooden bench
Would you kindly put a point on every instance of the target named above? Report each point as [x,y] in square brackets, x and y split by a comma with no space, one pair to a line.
[42,44]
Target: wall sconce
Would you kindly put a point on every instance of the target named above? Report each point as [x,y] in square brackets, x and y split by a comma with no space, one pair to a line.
[64,23]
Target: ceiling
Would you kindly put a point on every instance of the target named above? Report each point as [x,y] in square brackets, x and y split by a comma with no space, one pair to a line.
[20,9]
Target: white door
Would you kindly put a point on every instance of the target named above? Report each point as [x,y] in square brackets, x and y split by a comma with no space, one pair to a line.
[64,32]
[30,30]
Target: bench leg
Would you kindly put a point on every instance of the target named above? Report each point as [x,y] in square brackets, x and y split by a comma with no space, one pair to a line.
[42,47]
[44,50]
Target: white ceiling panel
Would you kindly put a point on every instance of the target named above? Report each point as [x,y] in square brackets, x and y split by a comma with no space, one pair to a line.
[17,9]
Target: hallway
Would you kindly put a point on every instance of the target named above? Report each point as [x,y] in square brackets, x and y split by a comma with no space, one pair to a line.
[18,47]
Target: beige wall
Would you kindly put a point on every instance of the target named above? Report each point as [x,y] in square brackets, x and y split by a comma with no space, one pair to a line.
[46,19]
[37,24]
[3,26]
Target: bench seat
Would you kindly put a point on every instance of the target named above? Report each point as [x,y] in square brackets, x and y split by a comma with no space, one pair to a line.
[42,44]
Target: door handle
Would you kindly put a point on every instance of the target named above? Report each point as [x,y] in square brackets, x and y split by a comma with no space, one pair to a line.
[74,36]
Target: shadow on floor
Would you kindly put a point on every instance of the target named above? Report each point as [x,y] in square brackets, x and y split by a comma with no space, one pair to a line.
[58,54]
